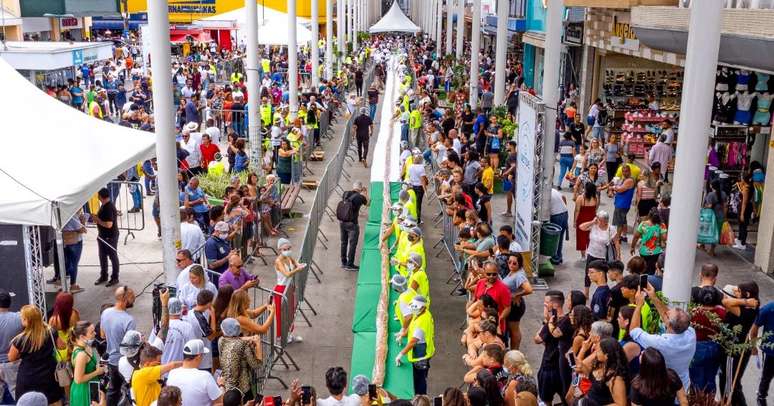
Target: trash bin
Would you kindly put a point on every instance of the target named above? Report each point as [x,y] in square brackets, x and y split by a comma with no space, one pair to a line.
[550,234]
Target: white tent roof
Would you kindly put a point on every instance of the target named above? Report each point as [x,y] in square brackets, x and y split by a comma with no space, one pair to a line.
[272,25]
[56,154]
[394,21]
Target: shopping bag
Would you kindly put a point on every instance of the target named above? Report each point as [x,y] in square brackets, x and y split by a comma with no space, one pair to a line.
[726,234]
[708,227]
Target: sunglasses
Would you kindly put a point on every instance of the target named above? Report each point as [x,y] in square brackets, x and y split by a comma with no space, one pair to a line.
[491,274]
[179,260]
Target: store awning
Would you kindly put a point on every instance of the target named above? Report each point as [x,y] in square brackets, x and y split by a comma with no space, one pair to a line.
[74,154]
[115,25]
[534,38]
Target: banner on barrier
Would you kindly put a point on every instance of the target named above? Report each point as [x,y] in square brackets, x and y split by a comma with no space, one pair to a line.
[526,168]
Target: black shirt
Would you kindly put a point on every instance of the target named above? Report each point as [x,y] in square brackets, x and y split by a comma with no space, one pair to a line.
[359,76]
[552,351]
[745,319]
[108,213]
[447,125]
[373,96]
[674,385]
[358,201]
[599,302]
[577,130]
[363,123]
[617,301]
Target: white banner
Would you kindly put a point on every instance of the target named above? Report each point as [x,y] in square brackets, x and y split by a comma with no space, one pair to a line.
[525,172]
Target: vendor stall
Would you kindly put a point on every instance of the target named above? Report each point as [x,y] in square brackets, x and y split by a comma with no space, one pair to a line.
[53,63]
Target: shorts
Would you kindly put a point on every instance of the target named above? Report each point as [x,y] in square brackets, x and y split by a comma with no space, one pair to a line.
[619,216]
[644,206]
[598,133]
[517,311]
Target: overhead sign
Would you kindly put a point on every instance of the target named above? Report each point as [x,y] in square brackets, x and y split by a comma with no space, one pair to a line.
[70,23]
[192,7]
[573,33]
[621,34]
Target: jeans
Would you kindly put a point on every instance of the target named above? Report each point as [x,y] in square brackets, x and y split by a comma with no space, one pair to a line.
[136,193]
[106,248]
[561,221]
[72,256]
[349,235]
[766,375]
[150,184]
[420,379]
[565,163]
[114,188]
[704,366]
[8,372]
[372,111]
[404,132]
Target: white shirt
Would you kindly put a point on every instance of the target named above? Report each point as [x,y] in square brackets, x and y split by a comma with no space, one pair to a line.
[198,388]
[187,294]
[416,172]
[457,146]
[598,241]
[187,92]
[197,330]
[180,332]
[191,236]
[194,158]
[214,133]
[350,400]
[557,204]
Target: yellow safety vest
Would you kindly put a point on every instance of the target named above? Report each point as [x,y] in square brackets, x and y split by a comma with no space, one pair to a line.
[415,119]
[295,142]
[266,114]
[404,298]
[423,285]
[216,168]
[410,206]
[423,321]
[235,77]
[266,66]
[405,102]
[419,248]
[406,165]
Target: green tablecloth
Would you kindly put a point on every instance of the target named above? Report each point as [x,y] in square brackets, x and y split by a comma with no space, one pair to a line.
[366,301]
[370,267]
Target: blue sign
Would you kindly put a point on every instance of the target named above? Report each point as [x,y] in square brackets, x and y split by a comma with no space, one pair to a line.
[77,57]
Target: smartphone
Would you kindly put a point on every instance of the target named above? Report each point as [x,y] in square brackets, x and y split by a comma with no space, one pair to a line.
[94,391]
[643,282]
[306,395]
[277,400]
[438,401]
[571,359]
[372,392]
[553,313]
[258,399]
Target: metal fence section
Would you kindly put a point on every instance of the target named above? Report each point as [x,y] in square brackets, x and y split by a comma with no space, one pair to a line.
[127,196]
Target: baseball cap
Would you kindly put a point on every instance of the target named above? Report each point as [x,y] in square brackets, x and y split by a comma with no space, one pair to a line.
[175,307]
[195,347]
[5,298]
[222,227]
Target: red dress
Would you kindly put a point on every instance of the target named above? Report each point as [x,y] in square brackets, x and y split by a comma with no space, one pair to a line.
[586,213]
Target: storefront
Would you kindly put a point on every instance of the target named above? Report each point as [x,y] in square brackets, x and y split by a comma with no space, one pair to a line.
[53,63]
[642,88]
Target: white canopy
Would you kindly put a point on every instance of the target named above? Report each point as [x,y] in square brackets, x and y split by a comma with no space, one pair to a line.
[394,21]
[272,25]
[56,155]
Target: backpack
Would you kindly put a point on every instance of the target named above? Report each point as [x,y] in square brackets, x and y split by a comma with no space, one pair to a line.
[602,117]
[345,210]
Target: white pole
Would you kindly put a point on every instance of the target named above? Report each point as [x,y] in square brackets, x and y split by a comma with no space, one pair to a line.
[460,28]
[328,39]
[315,44]
[475,48]
[695,113]
[354,28]
[449,23]
[439,27]
[340,33]
[292,59]
[553,52]
[501,51]
[164,123]
[253,122]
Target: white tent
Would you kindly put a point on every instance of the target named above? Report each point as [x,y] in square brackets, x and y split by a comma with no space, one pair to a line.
[56,156]
[272,25]
[394,21]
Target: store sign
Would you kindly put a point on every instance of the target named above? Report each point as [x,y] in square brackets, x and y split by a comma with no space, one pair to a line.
[70,23]
[525,182]
[81,56]
[573,34]
[191,7]
[622,35]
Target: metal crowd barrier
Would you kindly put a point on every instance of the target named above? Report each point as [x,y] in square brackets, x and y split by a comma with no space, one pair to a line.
[128,198]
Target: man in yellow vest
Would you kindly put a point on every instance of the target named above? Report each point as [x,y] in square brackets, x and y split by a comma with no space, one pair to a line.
[409,204]
[266,66]
[402,310]
[415,126]
[415,245]
[418,276]
[266,112]
[236,77]
[420,347]
[394,227]
[401,240]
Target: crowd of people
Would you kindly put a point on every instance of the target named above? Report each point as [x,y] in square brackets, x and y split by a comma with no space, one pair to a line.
[621,343]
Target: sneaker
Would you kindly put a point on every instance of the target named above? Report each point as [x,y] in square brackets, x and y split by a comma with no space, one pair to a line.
[75,288]
[295,339]
[54,281]
[352,267]
[112,282]
[739,246]
[460,292]
[100,281]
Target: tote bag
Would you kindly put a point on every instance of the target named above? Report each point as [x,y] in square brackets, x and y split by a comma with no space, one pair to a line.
[708,227]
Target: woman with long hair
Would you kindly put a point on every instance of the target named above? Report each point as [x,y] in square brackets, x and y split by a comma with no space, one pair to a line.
[585,210]
[519,371]
[740,319]
[589,175]
[631,348]
[518,283]
[239,309]
[35,346]
[85,363]
[486,381]
[219,307]
[63,319]
[651,234]
[285,266]
[612,156]
[607,370]
[580,319]
[656,385]
[646,193]
[197,281]
[284,161]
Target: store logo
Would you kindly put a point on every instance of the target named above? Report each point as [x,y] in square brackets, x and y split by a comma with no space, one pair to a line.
[192,6]
[622,35]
